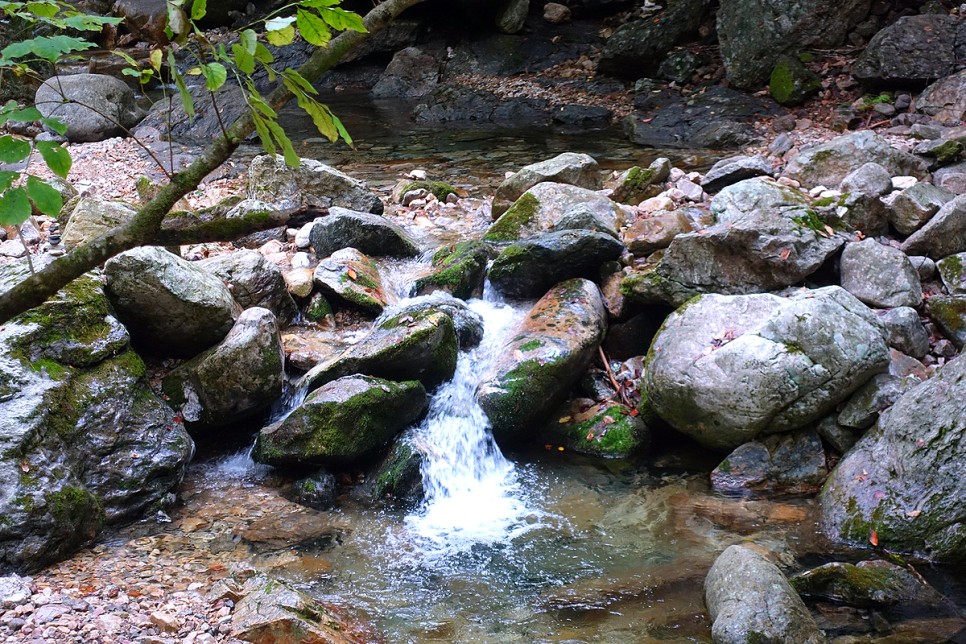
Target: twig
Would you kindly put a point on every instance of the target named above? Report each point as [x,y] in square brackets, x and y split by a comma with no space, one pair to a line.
[30,262]
[613,380]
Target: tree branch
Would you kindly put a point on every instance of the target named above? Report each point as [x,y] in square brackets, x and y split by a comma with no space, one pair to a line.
[175,232]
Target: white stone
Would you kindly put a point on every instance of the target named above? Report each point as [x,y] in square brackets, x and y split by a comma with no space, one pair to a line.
[660,202]
[299,282]
[301,260]
[789,183]
[691,190]
[12,248]
[303,238]
[901,183]
[14,590]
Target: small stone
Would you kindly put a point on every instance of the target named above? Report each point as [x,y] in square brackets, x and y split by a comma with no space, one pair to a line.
[885,109]
[12,248]
[556,13]
[901,183]
[299,281]
[654,204]
[301,260]
[690,190]
[166,621]
[303,238]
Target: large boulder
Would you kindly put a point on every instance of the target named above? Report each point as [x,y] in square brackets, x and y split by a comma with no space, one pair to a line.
[880,275]
[371,234]
[543,358]
[241,376]
[945,100]
[92,217]
[354,278]
[750,600]
[828,164]
[753,34]
[555,206]
[311,184]
[342,422]
[93,106]
[459,270]
[579,170]
[171,307]
[791,463]
[912,51]
[253,281]
[724,369]
[411,73]
[943,235]
[85,441]
[901,485]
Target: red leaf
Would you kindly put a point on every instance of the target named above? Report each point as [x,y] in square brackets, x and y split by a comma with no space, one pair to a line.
[874,538]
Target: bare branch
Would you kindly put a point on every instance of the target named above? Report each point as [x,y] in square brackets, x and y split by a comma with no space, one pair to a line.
[176,232]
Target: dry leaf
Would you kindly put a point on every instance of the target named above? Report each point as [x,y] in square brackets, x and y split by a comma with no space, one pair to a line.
[874,538]
[24,466]
[565,419]
[590,436]
[352,274]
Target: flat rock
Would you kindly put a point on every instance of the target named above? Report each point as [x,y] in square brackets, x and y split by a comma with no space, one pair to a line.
[550,206]
[371,234]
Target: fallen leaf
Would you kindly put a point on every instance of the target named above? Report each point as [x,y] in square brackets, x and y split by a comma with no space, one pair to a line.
[608,420]
[590,436]
[565,419]
[874,538]
[785,253]
[352,274]
[24,466]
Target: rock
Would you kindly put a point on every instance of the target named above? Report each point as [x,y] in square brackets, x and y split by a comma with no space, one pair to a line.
[753,34]
[145,18]
[412,73]
[911,52]
[680,66]
[555,206]
[636,184]
[250,207]
[606,430]
[14,591]
[300,282]
[734,169]
[951,178]
[924,266]
[860,213]
[952,274]
[579,170]
[945,100]
[905,331]
[899,482]
[637,48]
[86,440]
[459,270]
[765,238]
[724,369]
[829,163]
[315,491]
[354,278]
[943,235]
[556,13]
[749,600]
[240,377]
[528,268]
[371,234]
[869,179]
[273,611]
[311,184]
[869,584]
[92,217]
[546,355]
[948,312]
[170,120]
[880,275]
[511,16]
[792,463]
[467,323]
[398,477]
[253,281]
[94,107]
[839,438]
[649,234]
[421,345]
[863,408]
[171,307]
[914,207]
[342,422]
[12,248]
[792,83]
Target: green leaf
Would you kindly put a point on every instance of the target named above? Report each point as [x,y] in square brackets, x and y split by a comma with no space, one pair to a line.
[7,178]
[321,116]
[262,129]
[215,75]
[49,48]
[186,101]
[344,133]
[292,159]
[45,197]
[342,20]
[318,4]
[56,125]
[244,60]
[300,81]
[281,37]
[13,150]
[178,25]
[56,157]
[14,207]
[27,115]
[263,54]
[156,57]
[248,40]
[198,9]
[42,9]
[313,28]
[86,22]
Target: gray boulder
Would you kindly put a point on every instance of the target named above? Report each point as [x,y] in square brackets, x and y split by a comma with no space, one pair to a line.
[311,184]
[735,169]
[574,169]
[943,235]
[911,52]
[636,184]
[902,480]
[880,275]
[528,268]
[952,274]
[511,15]
[238,378]
[371,234]
[948,312]
[93,106]
[253,281]
[869,179]
[649,234]
[724,369]
[905,331]
[829,163]
[555,206]
[753,34]
[750,600]
[467,323]
[171,307]
[863,408]
[92,217]
[342,422]
[792,463]
[353,278]
[545,356]
[945,100]
[412,73]
[914,206]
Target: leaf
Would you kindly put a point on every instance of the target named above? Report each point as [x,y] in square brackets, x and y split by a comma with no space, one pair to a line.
[318,4]
[178,26]
[874,538]
[50,48]
[198,9]
[156,58]
[186,101]
[44,197]
[313,28]
[13,150]
[14,207]
[27,115]
[262,54]
[215,75]
[565,419]
[299,80]
[292,159]
[281,37]
[56,157]
[342,20]
[262,129]
[7,178]
[279,23]
[352,274]
[244,60]
[88,22]
[248,40]
[56,125]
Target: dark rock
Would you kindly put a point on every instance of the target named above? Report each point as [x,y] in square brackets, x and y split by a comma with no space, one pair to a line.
[370,234]
[412,73]
[171,120]
[945,100]
[905,331]
[457,104]
[315,491]
[948,312]
[911,52]
[94,107]
[459,270]
[253,281]
[511,15]
[792,83]
[785,463]
[146,19]
[863,408]
[840,438]
[734,169]
[581,118]
[680,66]
[605,430]
[399,475]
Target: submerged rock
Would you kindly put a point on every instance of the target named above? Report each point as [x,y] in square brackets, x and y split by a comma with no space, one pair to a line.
[555,206]
[315,491]
[371,234]
[786,463]
[579,170]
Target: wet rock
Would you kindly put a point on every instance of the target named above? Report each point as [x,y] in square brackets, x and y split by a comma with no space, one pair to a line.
[863,408]
[952,274]
[911,52]
[869,179]
[570,168]
[399,476]
[914,207]
[870,584]
[458,270]
[311,184]
[792,83]
[354,278]
[552,206]
[411,73]
[370,234]
[791,463]
[636,184]
[649,287]
[905,331]
[839,438]
[94,107]
[880,275]
[240,377]
[829,163]
[945,100]
[546,355]
[315,491]
[457,104]
[637,48]
[253,281]
[943,235]
[408,346]
[171,307]
[735,169]
[467,323]
[900,481]
[948,312]
[724,369]
[749,600]
[342,422]
[526,269]
[92,217]
[603,429]
[649,234]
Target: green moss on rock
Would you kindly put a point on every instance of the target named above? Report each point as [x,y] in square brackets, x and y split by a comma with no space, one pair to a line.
[439,189]
[513,222]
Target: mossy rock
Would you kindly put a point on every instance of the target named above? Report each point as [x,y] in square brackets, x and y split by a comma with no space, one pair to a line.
[458,269]
[353,278]
[399,477]
[949,314]
[439,189]
[792,83]
[605,430]
[511,224]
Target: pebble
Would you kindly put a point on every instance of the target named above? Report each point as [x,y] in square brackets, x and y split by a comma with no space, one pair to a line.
[901,183]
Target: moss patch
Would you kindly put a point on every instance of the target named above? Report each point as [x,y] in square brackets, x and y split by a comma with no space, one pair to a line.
[510,226]
[439,189]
